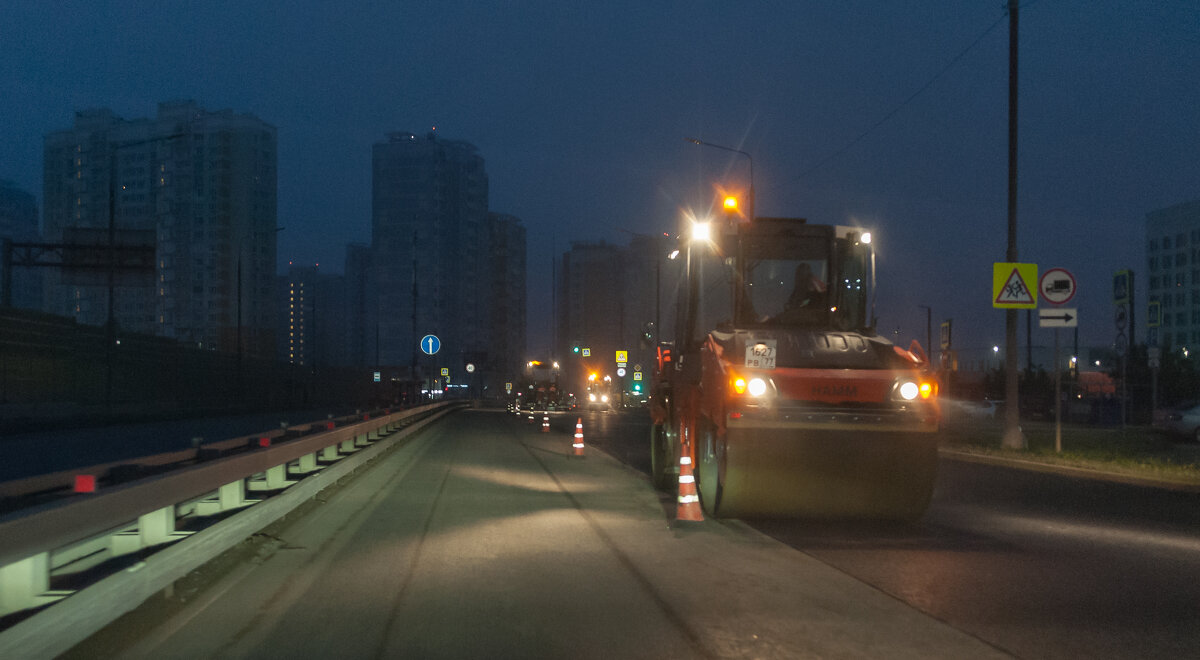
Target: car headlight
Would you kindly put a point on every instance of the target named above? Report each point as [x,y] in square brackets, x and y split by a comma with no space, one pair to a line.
[603,398]
[592,397]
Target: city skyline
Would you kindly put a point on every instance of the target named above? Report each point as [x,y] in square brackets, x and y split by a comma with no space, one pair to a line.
[888,116]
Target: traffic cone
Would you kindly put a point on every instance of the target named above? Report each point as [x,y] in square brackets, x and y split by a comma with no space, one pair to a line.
[578,444]
[688,507]
[530,420]
[545,423]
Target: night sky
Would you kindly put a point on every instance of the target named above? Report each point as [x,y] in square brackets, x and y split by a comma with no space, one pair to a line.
[581,110]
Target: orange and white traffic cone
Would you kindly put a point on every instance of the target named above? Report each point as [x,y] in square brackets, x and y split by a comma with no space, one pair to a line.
[545,423]
[688,506]
[578,444]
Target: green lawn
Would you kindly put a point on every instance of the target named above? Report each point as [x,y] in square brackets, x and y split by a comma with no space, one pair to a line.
[1135,450]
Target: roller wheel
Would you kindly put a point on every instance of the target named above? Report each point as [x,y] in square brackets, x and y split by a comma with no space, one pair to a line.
[662,461]
[710,468]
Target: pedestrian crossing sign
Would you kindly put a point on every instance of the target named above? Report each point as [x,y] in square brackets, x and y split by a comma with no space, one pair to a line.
[1013,285]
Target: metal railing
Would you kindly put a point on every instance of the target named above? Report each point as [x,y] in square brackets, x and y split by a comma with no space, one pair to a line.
[79,533]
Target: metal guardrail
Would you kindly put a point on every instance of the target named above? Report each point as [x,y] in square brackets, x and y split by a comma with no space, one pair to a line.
[63,480]
[80,532]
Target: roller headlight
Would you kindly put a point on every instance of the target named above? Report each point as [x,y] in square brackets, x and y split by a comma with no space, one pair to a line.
[755,387]
[909,389]
[758,387]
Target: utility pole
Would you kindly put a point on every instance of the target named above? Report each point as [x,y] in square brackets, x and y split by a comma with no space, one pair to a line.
[928,330]
[416,389]
[1013,438]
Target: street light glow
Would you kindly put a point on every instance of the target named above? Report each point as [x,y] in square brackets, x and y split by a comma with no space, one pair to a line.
[701,231]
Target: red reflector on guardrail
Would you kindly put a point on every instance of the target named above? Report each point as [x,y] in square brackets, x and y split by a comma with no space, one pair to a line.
[329,426]
[367,417]
[264,442]
[85,483]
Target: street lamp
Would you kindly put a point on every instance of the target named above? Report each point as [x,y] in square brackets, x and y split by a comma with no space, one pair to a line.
[702,143]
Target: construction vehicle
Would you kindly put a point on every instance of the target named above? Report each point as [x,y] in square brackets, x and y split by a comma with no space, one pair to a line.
[777,386]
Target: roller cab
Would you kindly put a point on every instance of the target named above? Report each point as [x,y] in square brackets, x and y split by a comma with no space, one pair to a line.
[780,390]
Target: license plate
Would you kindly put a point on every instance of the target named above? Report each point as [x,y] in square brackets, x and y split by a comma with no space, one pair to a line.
[761,355]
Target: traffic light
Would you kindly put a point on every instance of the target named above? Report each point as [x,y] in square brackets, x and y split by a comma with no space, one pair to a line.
[575,349]
[637,387]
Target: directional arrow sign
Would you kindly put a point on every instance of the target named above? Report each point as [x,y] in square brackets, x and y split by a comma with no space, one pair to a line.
[1058,318]
[430,344]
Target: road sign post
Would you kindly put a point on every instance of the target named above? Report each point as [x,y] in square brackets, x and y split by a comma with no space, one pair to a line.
[1057,287]
[1057,398]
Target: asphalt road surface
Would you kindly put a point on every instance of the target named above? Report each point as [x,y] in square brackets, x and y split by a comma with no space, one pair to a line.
[1040,565]
[481,538]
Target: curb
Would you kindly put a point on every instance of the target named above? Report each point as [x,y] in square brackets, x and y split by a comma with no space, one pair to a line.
[1067,471]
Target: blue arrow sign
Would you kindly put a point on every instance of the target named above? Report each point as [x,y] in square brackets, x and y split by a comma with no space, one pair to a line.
[430,344]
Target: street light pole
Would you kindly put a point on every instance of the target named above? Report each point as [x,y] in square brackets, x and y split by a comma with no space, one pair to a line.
[1013,438]
[928,329]
[110,322]
[750,158]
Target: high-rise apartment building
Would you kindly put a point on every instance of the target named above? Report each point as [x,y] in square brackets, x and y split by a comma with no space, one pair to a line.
[591,298]
[1173,261]
[608,297]
[202,185]
[19,224]
[359,309]
[506,353]
[429,242]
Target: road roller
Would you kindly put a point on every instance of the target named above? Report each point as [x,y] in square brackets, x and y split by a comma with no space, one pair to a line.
[776,385]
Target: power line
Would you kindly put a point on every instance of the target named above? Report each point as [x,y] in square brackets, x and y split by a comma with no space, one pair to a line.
[906,101]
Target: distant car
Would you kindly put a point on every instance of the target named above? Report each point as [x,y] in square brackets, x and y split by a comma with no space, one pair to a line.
[598,401]
[1183,422]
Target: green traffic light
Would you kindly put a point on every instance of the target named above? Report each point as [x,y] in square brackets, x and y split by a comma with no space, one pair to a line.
[574,349]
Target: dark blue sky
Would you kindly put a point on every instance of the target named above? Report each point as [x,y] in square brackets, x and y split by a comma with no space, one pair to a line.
[580,110]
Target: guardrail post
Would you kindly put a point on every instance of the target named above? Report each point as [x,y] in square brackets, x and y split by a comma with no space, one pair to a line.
[26,584]
[307,463]
[275,478]
[157,526]
[230,496]
[330,453]
[348,446]
[363,439]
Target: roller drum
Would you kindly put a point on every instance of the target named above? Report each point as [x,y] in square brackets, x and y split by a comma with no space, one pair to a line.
[775,472]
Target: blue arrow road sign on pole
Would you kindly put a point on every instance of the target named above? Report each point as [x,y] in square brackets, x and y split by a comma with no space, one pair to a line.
[430,344]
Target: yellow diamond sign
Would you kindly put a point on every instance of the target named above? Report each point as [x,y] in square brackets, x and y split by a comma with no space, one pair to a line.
[1014,285]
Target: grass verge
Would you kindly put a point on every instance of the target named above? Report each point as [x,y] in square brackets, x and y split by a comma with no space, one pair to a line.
[1137,451]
